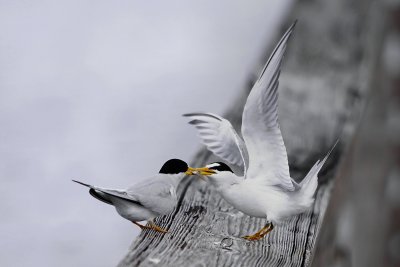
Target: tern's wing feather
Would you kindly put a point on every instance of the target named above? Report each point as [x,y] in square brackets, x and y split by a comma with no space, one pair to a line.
[260,127]
[220,137]
[156,193]
[121,194]
[103,194]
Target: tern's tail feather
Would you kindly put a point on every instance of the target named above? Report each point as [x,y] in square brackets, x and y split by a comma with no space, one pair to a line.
[310,182]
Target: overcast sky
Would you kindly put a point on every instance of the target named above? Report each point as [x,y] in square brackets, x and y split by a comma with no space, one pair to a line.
[94,90]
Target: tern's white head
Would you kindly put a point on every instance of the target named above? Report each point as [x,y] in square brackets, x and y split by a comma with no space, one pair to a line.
[218,173]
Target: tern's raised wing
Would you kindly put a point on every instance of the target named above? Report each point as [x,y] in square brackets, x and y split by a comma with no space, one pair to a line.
[220,138]
[260,127]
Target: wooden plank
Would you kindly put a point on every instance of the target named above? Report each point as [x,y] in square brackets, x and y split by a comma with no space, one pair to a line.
[356,230]
[320,99]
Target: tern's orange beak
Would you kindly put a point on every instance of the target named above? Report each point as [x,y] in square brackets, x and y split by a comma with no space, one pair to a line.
[191,171]
[205,171]
[201,172]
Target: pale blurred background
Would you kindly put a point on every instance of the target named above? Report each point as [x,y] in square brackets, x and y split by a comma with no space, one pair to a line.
[94,90]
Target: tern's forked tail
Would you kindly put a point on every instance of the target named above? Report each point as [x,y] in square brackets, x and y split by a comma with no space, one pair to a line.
[310,182]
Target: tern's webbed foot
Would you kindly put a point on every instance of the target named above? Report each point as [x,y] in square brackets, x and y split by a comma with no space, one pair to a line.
[252,237]
[260,234]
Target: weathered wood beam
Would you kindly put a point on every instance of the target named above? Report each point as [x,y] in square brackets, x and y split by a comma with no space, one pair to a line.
[356,227]
[322,95]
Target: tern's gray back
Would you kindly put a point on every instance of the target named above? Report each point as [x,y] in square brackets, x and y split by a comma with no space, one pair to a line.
[156,193]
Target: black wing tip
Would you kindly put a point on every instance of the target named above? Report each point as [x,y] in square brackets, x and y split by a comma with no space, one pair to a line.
[195,122]
[194,114]
[99,197]
[210,115]
[188,114]
[78,182]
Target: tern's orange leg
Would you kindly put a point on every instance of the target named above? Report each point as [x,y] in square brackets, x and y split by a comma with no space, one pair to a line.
[152,227]
[260,234]
[142,226]
[157,228]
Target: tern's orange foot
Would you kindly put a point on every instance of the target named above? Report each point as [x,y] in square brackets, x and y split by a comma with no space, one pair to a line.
[142,226]
[151,226]
[254,237]
[157,228]
[260,234]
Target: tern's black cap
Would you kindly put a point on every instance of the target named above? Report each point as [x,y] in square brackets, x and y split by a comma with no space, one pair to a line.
[220,166]
[174,166]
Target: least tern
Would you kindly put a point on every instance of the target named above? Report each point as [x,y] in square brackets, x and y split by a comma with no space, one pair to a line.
[148,199]
[266,189]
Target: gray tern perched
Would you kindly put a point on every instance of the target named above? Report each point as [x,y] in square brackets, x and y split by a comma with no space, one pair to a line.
[266,189]
[147,199]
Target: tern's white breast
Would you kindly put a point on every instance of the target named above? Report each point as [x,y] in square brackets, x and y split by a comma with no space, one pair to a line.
[245,199]
[257,200]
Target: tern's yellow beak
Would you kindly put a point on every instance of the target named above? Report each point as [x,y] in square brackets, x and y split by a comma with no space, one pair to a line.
[205,171]
[191,171]
[200,171]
